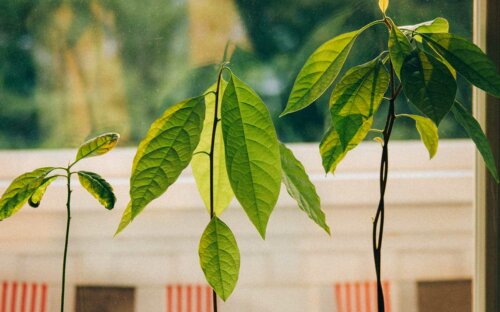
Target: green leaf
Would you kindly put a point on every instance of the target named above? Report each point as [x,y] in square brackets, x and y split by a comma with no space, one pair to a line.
[98,187]
[428,132]
[468,60]
[357,97]
[428,84]
[473,129]
[36,197]
[125,220]
[300,187]
[399,48]
[321,69]
[219,257]
[252,152]
[165,151]
[437,25]
[332,150]
[223,194]
[20,190]
[98,145]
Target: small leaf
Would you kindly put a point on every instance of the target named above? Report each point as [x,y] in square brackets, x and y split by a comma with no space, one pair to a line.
[379,140]
[332,150]
[165,151]
[252,152]
[321,69]
[223,194]
[428,84]
[98,145]
[98,187]
[473,129]
[383,4]
[220,258]
[428,132]
[300,187]
[36,197]
[357,97]
[468,60]
[399,48]
[125,220]
[437,25]
[20,190]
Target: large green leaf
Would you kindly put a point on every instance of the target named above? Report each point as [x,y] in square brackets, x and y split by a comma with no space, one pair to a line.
[36,197]
[165,151]
[223,194]
[399,48]
[332,150]
[437,25]
[219,257]
[428,84]
[98,145]
[20,190]
[468,60]
[300,187]
[252,152]
[428,132]
[357,97]
[473,129]
[98,187]
[321,69]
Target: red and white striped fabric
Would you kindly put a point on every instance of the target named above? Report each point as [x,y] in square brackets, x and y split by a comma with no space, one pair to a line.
[23,297]
[360,296]
[189,298]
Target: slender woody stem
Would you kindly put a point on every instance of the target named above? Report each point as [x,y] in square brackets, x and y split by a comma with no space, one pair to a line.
[211,157]
[68,220]
[378,224]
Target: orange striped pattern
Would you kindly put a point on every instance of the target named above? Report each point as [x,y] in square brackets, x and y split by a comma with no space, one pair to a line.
[23,297]
[188,298]
[360,296]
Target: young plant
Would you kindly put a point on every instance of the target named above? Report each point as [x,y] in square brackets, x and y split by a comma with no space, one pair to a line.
[422,61]
[31,186]
[228,136]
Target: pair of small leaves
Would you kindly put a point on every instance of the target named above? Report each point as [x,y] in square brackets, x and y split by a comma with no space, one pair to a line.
[31,186]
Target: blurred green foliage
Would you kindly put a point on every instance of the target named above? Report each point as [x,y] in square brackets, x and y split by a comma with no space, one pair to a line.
[151,39]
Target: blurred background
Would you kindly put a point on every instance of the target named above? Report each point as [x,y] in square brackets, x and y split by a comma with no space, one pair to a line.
[70,69]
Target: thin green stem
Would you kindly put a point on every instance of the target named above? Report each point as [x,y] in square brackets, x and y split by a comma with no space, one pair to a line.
[211,156]
[68,220]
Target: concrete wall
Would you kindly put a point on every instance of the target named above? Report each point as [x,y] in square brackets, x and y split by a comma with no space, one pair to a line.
[428,234]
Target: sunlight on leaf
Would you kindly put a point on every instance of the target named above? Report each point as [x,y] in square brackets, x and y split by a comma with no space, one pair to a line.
[36,197]
[428,132]
[399,48]
[252,152]
[165,151]
[98,187]
[383,4]
[223,194]
[219,258]
[20,190]
[437,25]
[98,145]
[321,69]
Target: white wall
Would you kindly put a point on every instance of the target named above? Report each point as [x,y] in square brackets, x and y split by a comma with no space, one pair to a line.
[429,231]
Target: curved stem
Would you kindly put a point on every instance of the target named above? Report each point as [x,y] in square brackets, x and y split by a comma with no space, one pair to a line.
[68,220]
[378,223]
[211,156]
